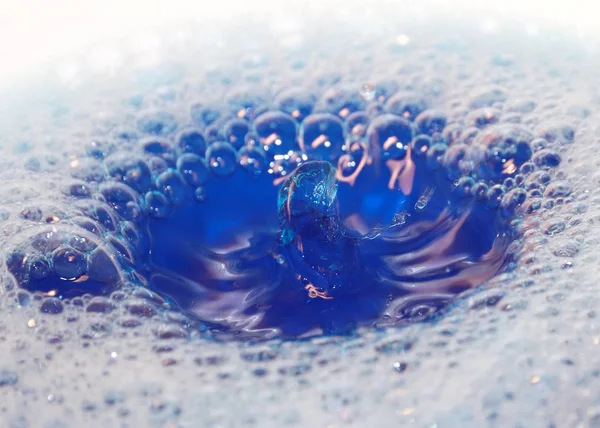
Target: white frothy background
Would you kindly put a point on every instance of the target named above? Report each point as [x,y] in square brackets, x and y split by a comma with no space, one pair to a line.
[35,31]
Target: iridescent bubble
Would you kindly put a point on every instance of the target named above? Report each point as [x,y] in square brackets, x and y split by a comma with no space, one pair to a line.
[204,115]
[98,211]
[456,161]
[191,141]
[69,263]
[406,104]
[356,125]
[157,204]
[297,102]
[157,123]
[501,150]
[222,159]
[562,133]
[350,164]
[431,122]
[340,101]
[193,169]
[511,201]
[483,117]
[246,103]
[235,131]
[421,144]
[486,97]
[130,169]
[87,169]
[435,155]
[322,136]
[277,132]
[546,158]
[253,160]
[172,185]
[389,135]
[122,199]
[494,196]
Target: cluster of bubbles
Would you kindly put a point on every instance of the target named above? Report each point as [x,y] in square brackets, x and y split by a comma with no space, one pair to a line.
[134,177]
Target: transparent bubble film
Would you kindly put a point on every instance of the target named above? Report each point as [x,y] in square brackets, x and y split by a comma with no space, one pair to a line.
[261,212]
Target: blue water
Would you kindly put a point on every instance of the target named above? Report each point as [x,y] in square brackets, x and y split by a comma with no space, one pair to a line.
[294,215]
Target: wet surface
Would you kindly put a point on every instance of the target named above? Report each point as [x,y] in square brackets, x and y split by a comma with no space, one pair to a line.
[99,171]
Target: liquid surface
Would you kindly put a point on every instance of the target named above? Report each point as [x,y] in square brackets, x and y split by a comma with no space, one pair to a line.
[303,192]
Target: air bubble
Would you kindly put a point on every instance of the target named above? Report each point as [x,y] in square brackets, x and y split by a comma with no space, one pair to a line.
[222,159]
[322,136]
[252,160]
[193,169]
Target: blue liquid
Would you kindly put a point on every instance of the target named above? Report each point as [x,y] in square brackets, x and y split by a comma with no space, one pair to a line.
[296,214]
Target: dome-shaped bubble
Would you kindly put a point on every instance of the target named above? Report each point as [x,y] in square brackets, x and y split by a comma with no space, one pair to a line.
[451,133]
[351,163]
[39,268]
[87,169]
[538,144]
[356,126]
[435,155]
[537,179]
[204,115]
[421,144]
[123,199]
[464,187]
[157,123]
[486,97]
[297,102]
[157,204]
[375,109]
[69,263]
[235,131]
[158,165]
[479,191]
[52,305]
[200,194]
[246,103]
[546,158]
[520,106]
[253,160]
[159,148]
[340,101]
[511,201]
[98,211]
[406,104]
[431,122]
[562,133]
[77,189]
[456,161]
[383,89]
[87,224]
[99,149]
[494,196]
[193,169]
[172,185]
[558,188]
[501,149]
[322,136]
[222,159]
[130,169]
[277,132]
[389,136]
[483,117]
[191,141]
